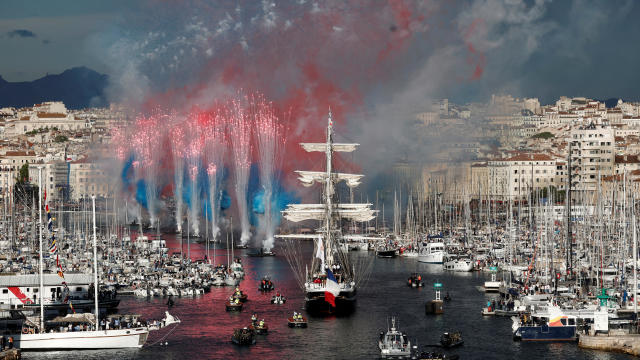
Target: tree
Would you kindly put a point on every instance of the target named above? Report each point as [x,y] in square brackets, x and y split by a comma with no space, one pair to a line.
[543,135]
[60,138]
[23,174]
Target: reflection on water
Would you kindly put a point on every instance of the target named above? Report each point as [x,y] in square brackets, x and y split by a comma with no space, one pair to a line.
[205,332]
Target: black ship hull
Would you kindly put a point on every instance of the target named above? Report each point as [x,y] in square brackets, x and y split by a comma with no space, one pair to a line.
[316,305]
[110,304]
[388,253]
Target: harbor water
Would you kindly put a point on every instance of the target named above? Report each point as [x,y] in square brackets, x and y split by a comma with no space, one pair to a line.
[206,328]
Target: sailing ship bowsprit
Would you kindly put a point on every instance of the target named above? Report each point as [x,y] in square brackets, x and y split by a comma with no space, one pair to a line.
[330,263]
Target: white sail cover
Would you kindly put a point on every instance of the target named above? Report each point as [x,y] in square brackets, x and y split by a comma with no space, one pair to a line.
[355,212]
[310,147]
[309,177]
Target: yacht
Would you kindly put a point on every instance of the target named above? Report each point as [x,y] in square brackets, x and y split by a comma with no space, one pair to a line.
[456,263]
[432,253]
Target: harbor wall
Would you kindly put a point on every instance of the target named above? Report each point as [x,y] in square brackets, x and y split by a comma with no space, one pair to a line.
[628,344]
[10,354]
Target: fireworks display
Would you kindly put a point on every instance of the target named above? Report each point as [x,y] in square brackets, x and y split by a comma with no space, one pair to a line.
[270,142]
[184,157]
[240,138]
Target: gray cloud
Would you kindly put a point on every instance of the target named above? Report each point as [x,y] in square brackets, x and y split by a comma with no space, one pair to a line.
[23,33]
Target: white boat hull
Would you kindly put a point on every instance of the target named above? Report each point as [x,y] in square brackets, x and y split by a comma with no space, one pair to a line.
[459,265]
[435,258]
[102,339]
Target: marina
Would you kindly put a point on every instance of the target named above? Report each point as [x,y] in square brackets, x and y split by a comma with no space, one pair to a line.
[391,179]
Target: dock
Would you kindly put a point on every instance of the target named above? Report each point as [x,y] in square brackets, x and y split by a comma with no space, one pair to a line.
[10,354]
[623,343]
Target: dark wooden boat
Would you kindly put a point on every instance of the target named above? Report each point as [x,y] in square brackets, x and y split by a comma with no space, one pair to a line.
[451,339]
[242,297]
[261,330]
[297,323]
[243,336]
[232,306]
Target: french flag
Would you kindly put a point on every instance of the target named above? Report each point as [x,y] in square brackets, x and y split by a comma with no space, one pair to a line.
[332,289]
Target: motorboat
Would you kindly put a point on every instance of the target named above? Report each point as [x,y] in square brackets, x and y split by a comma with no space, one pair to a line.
[451,339]
[415,280]
[432,253]
[394,343]
[233,305]
[266,284]
[459,264]
[278,299]
[244,336]
[297,321]
[260,327]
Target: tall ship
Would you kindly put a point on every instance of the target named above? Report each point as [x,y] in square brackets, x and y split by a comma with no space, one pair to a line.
[330,282]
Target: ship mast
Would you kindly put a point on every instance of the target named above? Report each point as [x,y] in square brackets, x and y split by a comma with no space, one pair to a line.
[328,191]
[328,211]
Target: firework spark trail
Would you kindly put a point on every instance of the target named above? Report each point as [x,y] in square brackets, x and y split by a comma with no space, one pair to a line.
[214,147]
[193,152]
[270,141]
[177,148]
[138,176]
[146,143]
[240,141]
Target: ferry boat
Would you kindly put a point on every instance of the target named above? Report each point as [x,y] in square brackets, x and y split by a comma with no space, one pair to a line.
[331,271]
[551,325]
[394,343]
[22,291]
[432,253]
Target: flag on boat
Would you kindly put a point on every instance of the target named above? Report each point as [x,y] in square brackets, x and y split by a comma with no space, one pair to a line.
[320,252]
[332,289]
[53,247]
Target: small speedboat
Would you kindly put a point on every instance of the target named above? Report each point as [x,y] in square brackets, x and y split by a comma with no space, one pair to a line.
[242,297]
[260,327]
[488,311]
[233,306]
[266,284]
[415,280]
[244,336]
[278,299]
[451,339]
[297,321]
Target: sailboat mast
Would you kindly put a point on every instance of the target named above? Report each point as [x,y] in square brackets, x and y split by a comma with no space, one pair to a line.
[95,260]
[40,241]
[327,193]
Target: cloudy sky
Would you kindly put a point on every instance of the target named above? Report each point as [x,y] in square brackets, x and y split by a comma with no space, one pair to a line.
[464,50]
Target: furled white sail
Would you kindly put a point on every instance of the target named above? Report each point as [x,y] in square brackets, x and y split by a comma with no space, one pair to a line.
[310,147]
[309,177]
[354,212]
